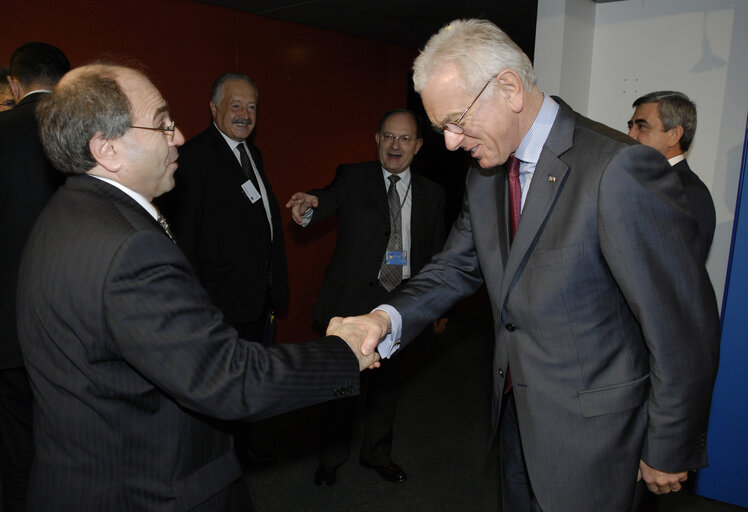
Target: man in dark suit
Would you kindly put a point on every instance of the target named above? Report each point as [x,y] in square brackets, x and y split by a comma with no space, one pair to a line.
[129,360]
[225,216]
[666,121]
[27,180]
[355,279]
[604,315]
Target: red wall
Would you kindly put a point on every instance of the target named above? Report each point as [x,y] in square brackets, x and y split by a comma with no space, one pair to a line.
[321,93]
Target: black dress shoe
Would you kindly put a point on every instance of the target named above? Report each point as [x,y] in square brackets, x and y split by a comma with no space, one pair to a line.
[324,477]
[390,471]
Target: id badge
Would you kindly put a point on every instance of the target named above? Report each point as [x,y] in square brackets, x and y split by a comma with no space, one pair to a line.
[397,257]
[250,191]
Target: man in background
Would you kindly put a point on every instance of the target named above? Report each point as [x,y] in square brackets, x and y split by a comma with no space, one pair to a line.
[227,221]
[390,224]
[27,181]
[225,216]
[666,121]
[130,362]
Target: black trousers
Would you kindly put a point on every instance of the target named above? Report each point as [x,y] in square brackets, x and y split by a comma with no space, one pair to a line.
[379,392]
[16,439]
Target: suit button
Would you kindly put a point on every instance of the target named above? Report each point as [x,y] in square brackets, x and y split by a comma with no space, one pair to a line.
[501,373]
[510,327]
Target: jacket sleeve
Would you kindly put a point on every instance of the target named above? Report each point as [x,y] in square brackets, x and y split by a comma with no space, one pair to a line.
[651,247]
[164,326]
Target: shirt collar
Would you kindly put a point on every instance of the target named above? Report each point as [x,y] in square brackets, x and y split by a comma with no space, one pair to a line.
[404,176]
[676,159]
[231,142]
[142,201]
[532,144]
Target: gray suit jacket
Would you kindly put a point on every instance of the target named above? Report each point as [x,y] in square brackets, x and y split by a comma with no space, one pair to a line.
[602,308]
[129,362]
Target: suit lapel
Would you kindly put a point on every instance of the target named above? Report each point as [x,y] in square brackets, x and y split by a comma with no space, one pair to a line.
[227,159]
[377,189]
[547,182]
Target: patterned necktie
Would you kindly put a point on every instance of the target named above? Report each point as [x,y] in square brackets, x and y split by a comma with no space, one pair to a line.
[515,192]
[392,275]
[247,167]
[165,225]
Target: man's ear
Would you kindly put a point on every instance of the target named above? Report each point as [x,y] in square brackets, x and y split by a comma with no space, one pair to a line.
[511,88]
[104,152]
[419,143]
[674,135]
[15,88]
[213,110]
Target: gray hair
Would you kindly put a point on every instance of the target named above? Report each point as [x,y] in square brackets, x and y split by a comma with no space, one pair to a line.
[90,102]
[478,48]
[674,108]
[216,92]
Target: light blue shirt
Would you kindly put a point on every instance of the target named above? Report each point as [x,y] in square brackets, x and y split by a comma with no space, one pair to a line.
[528,153]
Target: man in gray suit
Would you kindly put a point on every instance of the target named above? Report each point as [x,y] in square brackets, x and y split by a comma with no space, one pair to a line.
[604,315]
[129,361]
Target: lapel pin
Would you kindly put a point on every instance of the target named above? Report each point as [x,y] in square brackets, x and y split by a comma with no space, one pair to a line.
[551,178]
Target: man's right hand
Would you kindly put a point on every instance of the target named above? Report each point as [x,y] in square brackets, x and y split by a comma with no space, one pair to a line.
[300,203]
[376,326]
[354,334]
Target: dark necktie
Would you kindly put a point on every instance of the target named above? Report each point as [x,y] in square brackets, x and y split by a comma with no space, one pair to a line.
[392,275]
[165,225]
[515,192]
[247,166]
[515,208]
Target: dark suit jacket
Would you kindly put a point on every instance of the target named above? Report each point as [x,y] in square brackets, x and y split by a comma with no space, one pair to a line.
[224,235]
[128,359]
[699,203]
[27,181]
[358,196]
[603,310]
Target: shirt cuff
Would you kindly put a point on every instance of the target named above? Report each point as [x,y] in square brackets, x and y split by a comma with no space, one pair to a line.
[306,218]
[391,343]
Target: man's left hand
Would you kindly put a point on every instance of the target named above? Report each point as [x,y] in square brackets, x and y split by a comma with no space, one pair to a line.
[658,481]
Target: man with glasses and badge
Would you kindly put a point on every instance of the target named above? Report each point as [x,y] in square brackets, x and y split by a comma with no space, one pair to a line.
[390,224]
[605,320]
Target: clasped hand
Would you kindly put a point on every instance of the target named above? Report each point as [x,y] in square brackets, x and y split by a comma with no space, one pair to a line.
[362,334]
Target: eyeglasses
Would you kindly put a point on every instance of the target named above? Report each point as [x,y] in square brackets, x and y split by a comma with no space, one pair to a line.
[168,131]
[391,139]
[455,126]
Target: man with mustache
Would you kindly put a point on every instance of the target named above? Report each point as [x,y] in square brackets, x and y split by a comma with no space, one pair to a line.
[225,217]
[227,221]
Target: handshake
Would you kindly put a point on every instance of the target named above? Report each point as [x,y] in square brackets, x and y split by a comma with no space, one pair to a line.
[362,334]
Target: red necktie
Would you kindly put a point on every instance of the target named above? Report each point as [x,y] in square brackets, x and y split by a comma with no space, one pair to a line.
[515,192]
[515,208]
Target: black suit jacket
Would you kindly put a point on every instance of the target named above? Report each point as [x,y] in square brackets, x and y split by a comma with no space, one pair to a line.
[699,203]
[224,235]
[27,181]
[358,195]
[128,359]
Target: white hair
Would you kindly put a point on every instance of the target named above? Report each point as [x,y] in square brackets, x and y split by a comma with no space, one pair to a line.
[478,48]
